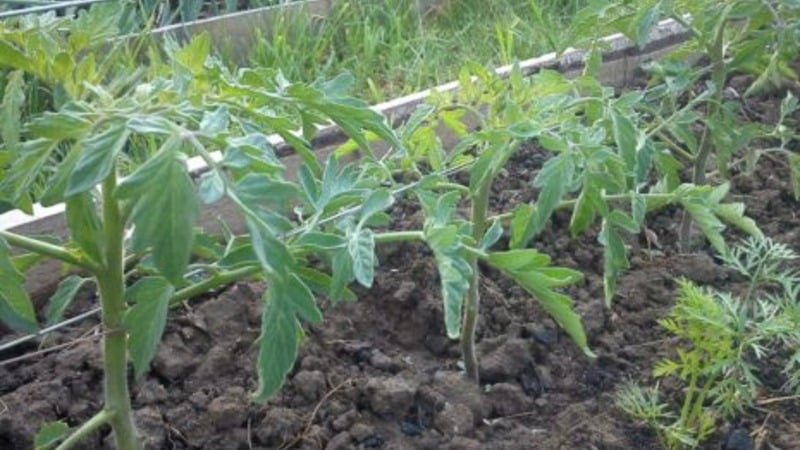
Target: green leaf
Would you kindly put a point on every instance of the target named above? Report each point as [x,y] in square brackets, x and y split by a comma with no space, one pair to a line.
[11,110]
[16,308]
[273,254]
[84,225]
[553,181]
[164,214]
[583,214]
[50,434]
[97,159]
[57,185]
[529,269]
[61,299]
[378,201]
[59,126]
[519,260]
[794,166]
[361,246]
[146,320]
[492,235]
[322,284]
[520,220]
[298,294]
[615,259]
[278,344]
[212,187]
[455,273]
[33,156]
[625,136]
[708,223]
[215,122]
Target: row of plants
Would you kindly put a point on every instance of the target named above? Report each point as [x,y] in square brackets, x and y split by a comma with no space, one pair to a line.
[108,134]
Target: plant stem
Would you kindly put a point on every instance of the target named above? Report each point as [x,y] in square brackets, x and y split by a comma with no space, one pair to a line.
[46,249]
[480,204]
[218,280]
[101,418]
[718,74]
[111,284]
[399,236]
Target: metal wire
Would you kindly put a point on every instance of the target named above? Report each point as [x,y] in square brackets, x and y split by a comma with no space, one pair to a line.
[48,7]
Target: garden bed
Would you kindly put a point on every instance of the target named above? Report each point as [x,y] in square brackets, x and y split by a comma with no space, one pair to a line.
[380,373]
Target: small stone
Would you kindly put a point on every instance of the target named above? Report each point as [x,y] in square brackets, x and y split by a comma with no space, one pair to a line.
[404,291]
[463,443]
[174,360]
[342,441]
[507,361]
[739,439]
[541,402]
[361,431]
[507,399]
[230,409]
[455,388]
[345,421]
[151,392]
[381,361]
[391,397]
[310,384]
[151,427]
[455,418]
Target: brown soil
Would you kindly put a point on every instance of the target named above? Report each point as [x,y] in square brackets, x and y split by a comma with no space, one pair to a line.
[380,373]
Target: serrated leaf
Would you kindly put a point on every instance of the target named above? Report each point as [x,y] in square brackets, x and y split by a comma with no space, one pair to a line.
[537,281]
[708,223]
[151,125]
[455,274]
[520,220]
[273,254]
[212,187]
[33,156]
[519,260]
[16,308]
[733,213]
[298,294]
[378,201]
[59,125]
[50,434]
[146,320]
[492,235]
[84,225]
[322,284]
[215,122]
[277,345]
[583,214]
[553,181]
[625,136]
[61,299]
[615,260]
[97,159]
[361,246]
[11,110]
[164,214]
[57,184]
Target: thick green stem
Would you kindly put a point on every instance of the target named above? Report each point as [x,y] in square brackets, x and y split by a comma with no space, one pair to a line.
[480,206]
[45,249]
[718,74]
[90,426]
[111,284]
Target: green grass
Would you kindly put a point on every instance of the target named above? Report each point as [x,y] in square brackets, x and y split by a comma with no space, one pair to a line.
[392,48]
